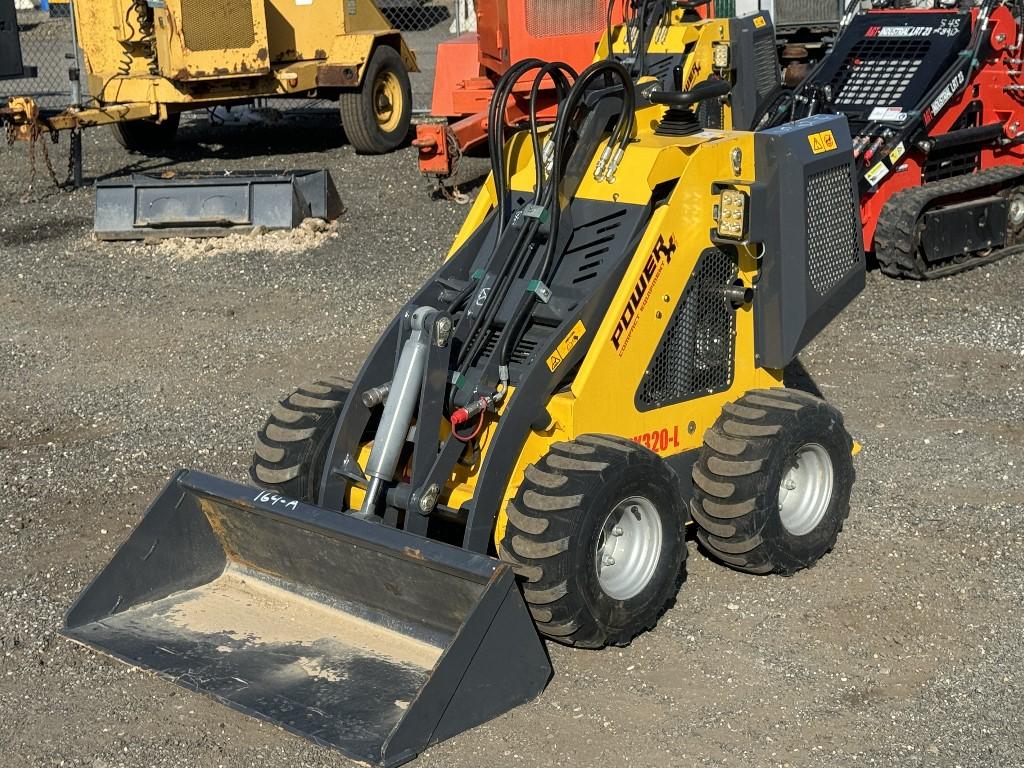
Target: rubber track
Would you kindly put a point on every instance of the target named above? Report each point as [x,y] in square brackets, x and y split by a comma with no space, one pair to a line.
[896,237]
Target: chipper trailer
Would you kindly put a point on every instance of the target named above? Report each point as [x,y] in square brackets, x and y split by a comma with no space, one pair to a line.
[597,363]
[935,101]
[147,62]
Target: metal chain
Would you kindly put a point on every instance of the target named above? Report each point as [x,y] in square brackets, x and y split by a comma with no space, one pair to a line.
[46,158]
[35,136]
[31,169]
[74,136]
[452,194]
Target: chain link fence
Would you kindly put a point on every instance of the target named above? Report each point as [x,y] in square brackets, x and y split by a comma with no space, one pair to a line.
[46,45]
[46,42]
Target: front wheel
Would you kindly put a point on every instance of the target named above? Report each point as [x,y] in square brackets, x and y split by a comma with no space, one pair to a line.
[596,533]
[376,117]
[291,447]
[771,487]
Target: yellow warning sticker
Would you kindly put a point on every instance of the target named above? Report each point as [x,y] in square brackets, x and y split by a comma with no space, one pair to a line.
[878,172]
[565,347]
[822,142]
[897,153]
[759,21]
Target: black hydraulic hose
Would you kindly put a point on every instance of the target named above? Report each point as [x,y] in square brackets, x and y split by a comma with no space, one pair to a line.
[608,25]
[641,37]
[496,147]
[516,258]
[622,127]
[495,296]
[558,72]
[551,198]
[496,132]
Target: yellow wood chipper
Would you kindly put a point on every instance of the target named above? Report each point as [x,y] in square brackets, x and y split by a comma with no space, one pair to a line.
[147,62]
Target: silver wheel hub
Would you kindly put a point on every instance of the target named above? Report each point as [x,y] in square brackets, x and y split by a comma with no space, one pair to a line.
[806,490]
[628,548]
[1016,211]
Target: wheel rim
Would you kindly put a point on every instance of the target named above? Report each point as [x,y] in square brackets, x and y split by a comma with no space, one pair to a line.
[1016,214]
[806,490]
[387,100]
[628,548]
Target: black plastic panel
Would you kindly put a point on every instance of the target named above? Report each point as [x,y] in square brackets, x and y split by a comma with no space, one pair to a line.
[804,211]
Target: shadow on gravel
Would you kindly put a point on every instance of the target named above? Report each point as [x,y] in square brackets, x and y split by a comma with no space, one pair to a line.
[36,232]
[465,186]
[200,140]
[797,377]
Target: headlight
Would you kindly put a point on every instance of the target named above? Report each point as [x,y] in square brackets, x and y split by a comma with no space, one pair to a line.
[732,214]
[720,55]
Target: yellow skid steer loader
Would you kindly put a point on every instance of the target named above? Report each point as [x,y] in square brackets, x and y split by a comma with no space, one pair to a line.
[597,363]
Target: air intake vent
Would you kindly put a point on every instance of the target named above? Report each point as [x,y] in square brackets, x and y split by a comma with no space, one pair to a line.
[833,240]
[695,356]
[214,25]
[789,12]
[766,65]
[527,346]
[554,18]
[588,249]
[662,68]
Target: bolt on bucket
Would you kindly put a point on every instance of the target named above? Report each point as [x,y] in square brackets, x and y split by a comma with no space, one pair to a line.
[355,635]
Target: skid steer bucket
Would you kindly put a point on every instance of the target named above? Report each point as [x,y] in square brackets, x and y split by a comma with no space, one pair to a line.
[356,635]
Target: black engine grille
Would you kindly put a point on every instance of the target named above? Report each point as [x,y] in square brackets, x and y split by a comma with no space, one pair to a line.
[833,246]
[696,353]
[766,65]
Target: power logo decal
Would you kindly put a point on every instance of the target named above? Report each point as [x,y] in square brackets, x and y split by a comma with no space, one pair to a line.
[566,345]
[660,256]
[822,142]
[759,22]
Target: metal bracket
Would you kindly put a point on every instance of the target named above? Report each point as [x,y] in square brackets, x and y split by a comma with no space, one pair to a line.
[542,291]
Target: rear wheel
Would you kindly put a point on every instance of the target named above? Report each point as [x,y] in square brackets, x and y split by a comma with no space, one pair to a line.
[146,136]
[596,532]
[772,485]
[291,447]
[376,117]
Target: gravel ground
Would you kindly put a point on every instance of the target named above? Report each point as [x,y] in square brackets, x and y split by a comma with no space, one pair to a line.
[120,363]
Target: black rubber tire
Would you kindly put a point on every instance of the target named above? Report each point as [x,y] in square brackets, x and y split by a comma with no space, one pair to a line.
[736,480]
[291,446]
[554,524]
[359,116]
[146,137]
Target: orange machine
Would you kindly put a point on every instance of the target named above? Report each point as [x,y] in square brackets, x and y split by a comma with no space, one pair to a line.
[507,31]
[469,66]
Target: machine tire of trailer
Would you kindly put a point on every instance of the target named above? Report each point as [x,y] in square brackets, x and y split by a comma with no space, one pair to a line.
[596,533]
[771,488]
[376,118]
[146,136]
[292,444]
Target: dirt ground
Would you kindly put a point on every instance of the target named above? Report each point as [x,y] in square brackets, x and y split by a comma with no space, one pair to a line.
[120,363]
